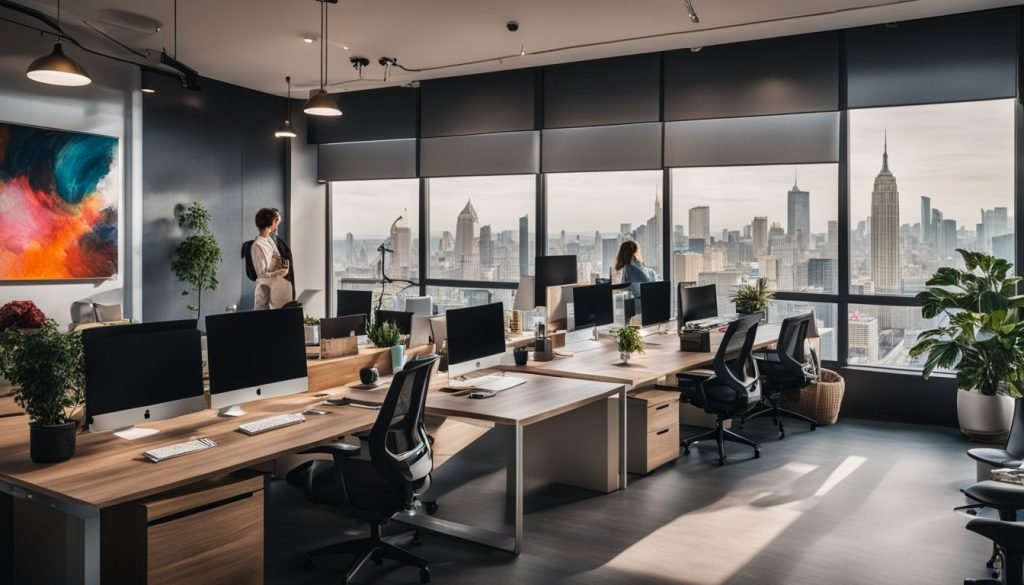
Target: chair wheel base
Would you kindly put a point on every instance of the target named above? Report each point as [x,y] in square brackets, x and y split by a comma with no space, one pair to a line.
[430,508]
[424,575]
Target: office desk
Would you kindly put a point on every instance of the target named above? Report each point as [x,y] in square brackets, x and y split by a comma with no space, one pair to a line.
[564,418]
[107,470]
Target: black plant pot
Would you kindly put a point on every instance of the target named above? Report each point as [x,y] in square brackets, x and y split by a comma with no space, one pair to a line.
[52,443]
[748,311]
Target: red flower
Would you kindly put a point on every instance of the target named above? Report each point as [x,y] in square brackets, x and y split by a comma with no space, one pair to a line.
[21,315]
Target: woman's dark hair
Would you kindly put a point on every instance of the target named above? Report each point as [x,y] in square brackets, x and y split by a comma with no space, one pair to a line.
[265,217]
[627,252]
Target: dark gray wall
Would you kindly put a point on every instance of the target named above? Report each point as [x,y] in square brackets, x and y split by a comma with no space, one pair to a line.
[622,90]
[216,146]
[376,114]
[479,104]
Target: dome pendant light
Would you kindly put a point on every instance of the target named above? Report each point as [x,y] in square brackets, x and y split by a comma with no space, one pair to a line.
[322,104]
[57,68]
[286,130]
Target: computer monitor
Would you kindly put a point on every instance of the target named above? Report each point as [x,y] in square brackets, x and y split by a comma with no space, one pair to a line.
[439,331]
[254,355]
[476,338]
[697,302]
[402,319]
[143,372]
[655,303]
[339,327]
[552,271]
[592,306]
[355,302]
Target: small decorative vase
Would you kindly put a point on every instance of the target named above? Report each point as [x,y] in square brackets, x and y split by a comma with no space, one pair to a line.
[52,443]
[624,356]
[397,357]
[312,334]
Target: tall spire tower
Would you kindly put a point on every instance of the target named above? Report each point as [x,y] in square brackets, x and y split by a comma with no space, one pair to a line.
[798,214]
[885,229]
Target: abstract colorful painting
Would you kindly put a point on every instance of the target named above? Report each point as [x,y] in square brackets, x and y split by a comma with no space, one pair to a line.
[58,204]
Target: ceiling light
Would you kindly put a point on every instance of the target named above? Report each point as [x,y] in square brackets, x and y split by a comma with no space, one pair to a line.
[147,85]
[322,104]
[695,49]
[693,13]
[286,130]
[57,68]
[343,47]
[308,40]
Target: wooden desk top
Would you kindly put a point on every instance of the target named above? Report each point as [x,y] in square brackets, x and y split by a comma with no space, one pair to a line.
[658,361]
[108,470]
[540,398]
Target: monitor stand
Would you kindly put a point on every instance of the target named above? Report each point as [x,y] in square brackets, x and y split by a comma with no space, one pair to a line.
[659,329]
[233,410]
[133,432]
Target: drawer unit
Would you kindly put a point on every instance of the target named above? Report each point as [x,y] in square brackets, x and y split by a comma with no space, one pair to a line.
[653,428]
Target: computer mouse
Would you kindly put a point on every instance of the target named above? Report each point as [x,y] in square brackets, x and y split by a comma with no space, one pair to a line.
[482,394]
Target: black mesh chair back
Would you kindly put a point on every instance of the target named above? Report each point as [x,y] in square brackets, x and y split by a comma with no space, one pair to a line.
[399,447]
[733,363]
[792,342]
[696,302]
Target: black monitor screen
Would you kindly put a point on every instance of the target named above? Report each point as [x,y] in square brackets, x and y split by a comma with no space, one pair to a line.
[698,302]
[402,319]
[552,271]
[592,305]
[475,332]
[254,348]
[342,326]
[655,302]
[134,367]
[354,302]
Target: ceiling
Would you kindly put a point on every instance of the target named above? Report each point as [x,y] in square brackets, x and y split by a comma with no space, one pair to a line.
[256,43]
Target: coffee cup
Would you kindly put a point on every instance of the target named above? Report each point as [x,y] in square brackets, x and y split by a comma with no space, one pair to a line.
[369,376]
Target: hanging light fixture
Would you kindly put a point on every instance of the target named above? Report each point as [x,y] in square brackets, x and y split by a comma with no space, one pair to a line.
[286,130]
[322,104]
[57,68]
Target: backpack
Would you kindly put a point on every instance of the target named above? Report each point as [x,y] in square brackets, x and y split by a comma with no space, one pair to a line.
[250,270]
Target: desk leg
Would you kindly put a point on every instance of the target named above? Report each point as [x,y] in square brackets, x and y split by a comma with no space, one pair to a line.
[623,403]
[517,473]
[6,538]
[83,549]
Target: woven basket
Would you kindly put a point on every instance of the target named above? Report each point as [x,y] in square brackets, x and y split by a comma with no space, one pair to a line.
[821,400]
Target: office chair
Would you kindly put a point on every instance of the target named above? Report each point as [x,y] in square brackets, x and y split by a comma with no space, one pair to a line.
[1008,537]
[730,390]
[1005,498]
[785,368]
[1013,452]
[374,481]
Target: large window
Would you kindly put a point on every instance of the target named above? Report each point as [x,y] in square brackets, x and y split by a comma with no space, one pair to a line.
[366,215]
[590,214]
[482,228]
[825,317]
[924,181]
[458,297]
[732,225]
[883,335]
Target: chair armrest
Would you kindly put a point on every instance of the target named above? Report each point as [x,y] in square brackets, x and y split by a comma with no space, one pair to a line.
[337,449]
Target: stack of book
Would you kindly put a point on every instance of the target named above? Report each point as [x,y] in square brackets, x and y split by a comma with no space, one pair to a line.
[1009,475]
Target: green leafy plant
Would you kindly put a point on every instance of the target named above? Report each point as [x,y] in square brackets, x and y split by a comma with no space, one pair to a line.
[47,369]
[197,256]
[753,297]
[307,320]
[385,334]
[984,334]
[629,340]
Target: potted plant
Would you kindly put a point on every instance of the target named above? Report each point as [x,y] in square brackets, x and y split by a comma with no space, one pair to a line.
[47,370]
[312,328]
[981,335]
[196,257]
[21,315]
[386,334]
[629,341]
[753,298]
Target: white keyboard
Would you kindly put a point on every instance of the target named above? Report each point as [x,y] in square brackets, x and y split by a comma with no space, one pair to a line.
[493,383]
[579,346]
[172,451]
[268,424]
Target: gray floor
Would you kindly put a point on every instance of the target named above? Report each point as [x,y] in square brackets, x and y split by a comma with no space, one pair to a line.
[856,503]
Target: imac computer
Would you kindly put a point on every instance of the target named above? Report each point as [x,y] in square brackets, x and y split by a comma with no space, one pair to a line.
[476,338]
[338,327]
[552,271]
[355,302]
[655,304]
[144,372]
[401,319]
[591,308]
[697,303]
[254,355]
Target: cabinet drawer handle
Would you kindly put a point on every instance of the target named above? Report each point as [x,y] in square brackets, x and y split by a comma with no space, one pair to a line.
[662,431]
[662,406]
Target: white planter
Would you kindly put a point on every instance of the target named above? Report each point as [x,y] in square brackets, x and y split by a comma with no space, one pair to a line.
[982,416]
[624,356]
[397,357]
[312,334]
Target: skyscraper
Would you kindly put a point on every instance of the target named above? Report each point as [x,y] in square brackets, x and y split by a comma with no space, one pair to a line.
[524,245]
[700,223]
[798,214]
[486,246]
[833,238]
[821,273]
[946,238]
[401,243]
[350,249]
[926,219]
[863,338]
[885,231]
[465,234]
[759,233]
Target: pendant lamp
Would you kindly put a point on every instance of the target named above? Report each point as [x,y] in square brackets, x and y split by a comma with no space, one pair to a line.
[321,103]
[57,68]
[286,130]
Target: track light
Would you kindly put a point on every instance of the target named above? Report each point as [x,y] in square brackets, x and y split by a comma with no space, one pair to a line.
[693,13]
[322,104]
[57,68]
[147,84]
[286,130]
